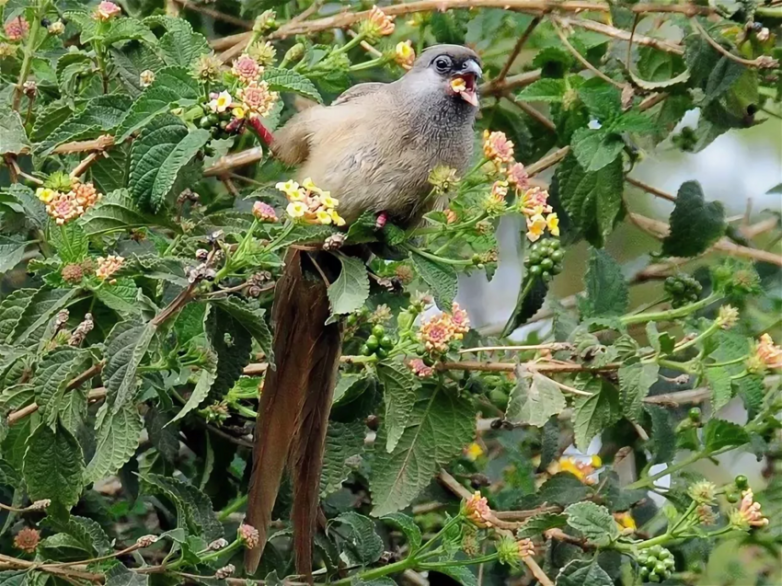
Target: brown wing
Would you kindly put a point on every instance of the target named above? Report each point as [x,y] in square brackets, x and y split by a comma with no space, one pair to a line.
[359,90]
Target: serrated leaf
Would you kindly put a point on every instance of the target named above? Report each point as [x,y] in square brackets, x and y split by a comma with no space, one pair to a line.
[344,444]
[441,278]
[126,346]
[200,392]
[121,296]
[363,542]
[194,510]
[528,303]
[182,48]
[719,381]
[695,224]
[116,441]
[635,380]
[100,115]
[110,172]
[232,344]
[52,376]
[663,434]
[594,414]
[119,575]
[70,241]
[348,293]
[11,254]
[53,465]
[11,310]
[157,157]
[534,403]
[43,307]
[85,23]
[34,209]
[544,90]
[129,29]
[602,99]
[596,149]
[633,121]
[593,201]
[408,526]
[461,574]
[537,525]
[87,532]
[49,118]
[251,319]
[172,86]
[287,80]
[719,434]
[606,288]
[400,390]
[563,489]
[13,138]
[583,573]
[71,70]
[438,428]
[116,211]
[595,522]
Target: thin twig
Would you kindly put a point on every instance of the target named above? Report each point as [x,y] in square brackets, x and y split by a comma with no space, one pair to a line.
[533,113]
[516,50]
[548,161]
[553,346]
[649,189]
[760,62]
[96,144]
[623,35]
[542,367]
[240,159]
[80,169]
[217,15]
[580,58]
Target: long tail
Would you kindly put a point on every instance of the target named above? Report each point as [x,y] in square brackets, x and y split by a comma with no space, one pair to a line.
[295,402]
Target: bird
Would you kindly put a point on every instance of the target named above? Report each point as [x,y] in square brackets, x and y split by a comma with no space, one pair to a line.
[373,149]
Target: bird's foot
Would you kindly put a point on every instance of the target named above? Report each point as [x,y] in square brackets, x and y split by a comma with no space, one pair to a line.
[382,218]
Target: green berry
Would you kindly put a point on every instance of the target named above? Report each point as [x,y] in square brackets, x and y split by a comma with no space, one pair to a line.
[655,551]
[352,319]
[386,342]
[554,244]
[669,562]
[659,568]
[556,269]
[557,255]
[546,276]
[534,257]
[694,414]
[365,351]
[382,353]
[547,264]
[428,360]
[741,482]
[204,122]
[643,572]
[642,559]
[213,119]
[653,577]
[498,398]
[535,270]
[373,342]
[732,497]
[378,330]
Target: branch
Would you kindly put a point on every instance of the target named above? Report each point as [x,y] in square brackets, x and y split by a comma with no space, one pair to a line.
[580,58]
[240,159]
[510,83]
[240,22]
[516,50]
[97,144]
[542,367]
[624,35]
[762,62]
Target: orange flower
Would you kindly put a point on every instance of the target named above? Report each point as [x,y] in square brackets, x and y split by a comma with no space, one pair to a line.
[108,266]
[769,353]
[404,54]
[257,99]
[748,514]
[27,540]
[497,147]
[378,23]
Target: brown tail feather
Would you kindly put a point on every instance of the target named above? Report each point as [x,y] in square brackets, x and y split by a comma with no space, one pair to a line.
[294,408]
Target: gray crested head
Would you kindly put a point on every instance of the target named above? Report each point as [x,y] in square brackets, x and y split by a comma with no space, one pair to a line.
[444,79]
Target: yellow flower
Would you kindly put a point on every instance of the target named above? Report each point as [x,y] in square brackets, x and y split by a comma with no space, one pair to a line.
[404,55]
[239,112]
[45,194]
[536,226]
[580,470]
[296,209]
[473,452]
[552,221]
[336,218]
[309,185]
[323,216]
[327,201]
[596,461]
[625,521]
[221,103]
[291,189]
[458,85]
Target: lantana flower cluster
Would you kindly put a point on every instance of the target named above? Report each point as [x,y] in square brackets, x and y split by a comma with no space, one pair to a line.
[478,514]
[66,206]
[106,11]
[377,24]
[748,514]
[767,355]
[309,204]
[439,331]
[16,29]
[252,99]
[532,201]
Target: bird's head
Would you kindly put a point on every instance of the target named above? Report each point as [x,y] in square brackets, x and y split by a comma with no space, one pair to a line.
[451,69]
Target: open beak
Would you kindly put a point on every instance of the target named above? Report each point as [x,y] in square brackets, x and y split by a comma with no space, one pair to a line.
[465,82]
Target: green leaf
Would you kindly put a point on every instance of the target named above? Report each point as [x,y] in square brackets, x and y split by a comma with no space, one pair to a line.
[634,121]
[363,542]
[718,379]
[85,23]
[635,380]
[400,390]
[70,241]
[462,574]
[251,319]
[534,403]
[663,434]
[528,303]
[116,440]
[583,573]
[11,310]
[129,29]
[173,86]
[594,414]
[200,392]
[348,293]
[126,346]
[11,254]
[72,69]
[194,510]
[544,90]
[116,211]
[182,48]
[13,138]
[719,434]
[121,296]
[232,344]
[596,149]
[603,100]
[287,80]
[722,77]
[344,445]
[52,376]
[537,525]
[99,116]
[53,465]
[593,200]
[34,209]
[45,304]
[562,489]
[595,522]
[408,526]
[695,224]
[110,172]
[606,289]
[439,426]
[440,277]
[119,575]
[14,578]
[49,118]
[157,157]
[87,532]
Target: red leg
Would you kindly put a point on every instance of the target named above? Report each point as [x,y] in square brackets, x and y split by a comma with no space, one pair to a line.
[382,218]
[263,133]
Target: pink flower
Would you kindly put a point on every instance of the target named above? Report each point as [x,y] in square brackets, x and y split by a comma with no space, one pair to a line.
[246,69]
[477,511]
[420,369]
[249,535]
[497,147]
[749,510]
[534,202]
[257,99]
[264,212]
[769,353]
[437,333]
[17,28]
[517,175]
[106,11]
[499,189]
[64,207]
[86,194]
[459,319]
[108,266]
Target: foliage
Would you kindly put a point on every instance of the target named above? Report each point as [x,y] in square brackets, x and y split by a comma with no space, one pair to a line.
[143,227]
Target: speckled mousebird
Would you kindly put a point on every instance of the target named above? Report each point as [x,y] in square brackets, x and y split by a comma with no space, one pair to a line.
[373,148]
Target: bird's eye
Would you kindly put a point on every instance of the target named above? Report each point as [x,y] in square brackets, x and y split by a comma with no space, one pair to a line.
[443,63]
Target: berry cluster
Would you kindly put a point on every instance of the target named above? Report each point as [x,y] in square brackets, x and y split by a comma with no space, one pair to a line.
[545,259]
[683,290]
[378,342]
[656,564]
